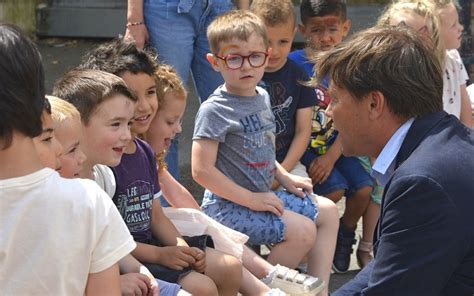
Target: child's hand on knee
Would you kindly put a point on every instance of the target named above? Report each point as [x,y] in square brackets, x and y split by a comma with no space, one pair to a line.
[297,185]
[200,257]
[176,257]
[320,169]
[266,202]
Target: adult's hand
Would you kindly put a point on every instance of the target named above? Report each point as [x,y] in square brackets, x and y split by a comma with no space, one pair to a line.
[137,33]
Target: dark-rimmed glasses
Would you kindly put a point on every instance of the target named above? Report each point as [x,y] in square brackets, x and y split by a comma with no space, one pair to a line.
[236,61]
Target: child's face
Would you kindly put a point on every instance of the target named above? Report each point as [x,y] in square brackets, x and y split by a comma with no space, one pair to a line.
[451,29]
[69,134]
[167,122]
[244,80]
[108,131]
[47,146]
[144,88]
[280,38]
[323,33]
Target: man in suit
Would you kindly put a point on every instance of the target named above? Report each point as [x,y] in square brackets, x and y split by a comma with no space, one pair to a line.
[386,102]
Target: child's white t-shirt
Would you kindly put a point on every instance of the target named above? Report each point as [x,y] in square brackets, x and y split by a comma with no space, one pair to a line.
[104,177]
[54,232]
[454,76]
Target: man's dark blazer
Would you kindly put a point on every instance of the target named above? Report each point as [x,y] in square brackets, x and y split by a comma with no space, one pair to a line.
[424,241]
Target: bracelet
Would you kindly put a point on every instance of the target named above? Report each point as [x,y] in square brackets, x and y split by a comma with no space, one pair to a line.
[131,24]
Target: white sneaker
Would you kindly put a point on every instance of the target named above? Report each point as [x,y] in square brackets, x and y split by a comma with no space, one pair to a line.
[276,292]
[293,282]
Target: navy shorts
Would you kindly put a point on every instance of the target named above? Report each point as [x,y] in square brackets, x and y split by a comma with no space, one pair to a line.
[348,174]
[261,227]
[172,275]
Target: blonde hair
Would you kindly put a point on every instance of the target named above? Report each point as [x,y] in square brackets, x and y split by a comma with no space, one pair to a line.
[238,24]
[423,8]
[62,110]
[167,81]
[274,12]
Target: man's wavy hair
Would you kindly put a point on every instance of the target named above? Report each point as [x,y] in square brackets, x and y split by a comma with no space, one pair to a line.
[394,61]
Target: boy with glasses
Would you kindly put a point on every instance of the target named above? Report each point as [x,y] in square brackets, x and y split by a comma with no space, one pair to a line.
[233,154]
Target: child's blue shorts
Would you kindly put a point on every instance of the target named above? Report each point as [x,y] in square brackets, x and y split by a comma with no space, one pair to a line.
[348,174]
[261,227]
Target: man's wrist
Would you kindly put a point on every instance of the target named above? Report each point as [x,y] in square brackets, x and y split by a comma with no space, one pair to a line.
[133,24]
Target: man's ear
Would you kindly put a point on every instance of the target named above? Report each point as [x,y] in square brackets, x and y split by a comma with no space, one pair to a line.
[376,104]
[213,61]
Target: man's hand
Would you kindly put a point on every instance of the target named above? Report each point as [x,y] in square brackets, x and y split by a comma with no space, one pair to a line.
[177,257]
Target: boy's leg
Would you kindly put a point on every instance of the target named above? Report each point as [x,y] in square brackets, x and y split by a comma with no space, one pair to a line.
[359,184]
[225,270]
[321,255]
[369,221]
[299,238]
[198,284]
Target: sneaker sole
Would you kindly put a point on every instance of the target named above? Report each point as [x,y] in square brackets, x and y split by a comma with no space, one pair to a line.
[337,271]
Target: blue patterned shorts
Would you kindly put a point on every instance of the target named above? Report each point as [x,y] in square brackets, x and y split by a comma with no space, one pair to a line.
[261,227]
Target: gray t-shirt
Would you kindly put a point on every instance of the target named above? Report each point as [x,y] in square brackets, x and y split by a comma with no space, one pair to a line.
[244,128]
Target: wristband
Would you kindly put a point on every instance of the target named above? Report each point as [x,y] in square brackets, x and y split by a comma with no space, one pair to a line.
[131,24]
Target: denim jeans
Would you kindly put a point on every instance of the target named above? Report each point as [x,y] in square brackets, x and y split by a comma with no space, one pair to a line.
[177,30]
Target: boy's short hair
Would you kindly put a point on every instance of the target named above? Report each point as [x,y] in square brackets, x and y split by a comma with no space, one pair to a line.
[321,8]
[274,13]
[21,86]
[87,89]
[238,24]
[62,110]
[119,56]
[392,60]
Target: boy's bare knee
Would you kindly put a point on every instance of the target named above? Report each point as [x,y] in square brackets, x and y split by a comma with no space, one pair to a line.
[302,231]
[198,284]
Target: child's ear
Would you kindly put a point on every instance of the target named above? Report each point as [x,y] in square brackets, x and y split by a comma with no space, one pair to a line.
[302,29]
[346,27]
[213,61]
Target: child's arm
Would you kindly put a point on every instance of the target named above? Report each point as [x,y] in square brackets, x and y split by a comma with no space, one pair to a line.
[203,166]
[105,282]
[466,108]
[175,193]
[322,166]
[299,142]
[294,184]
[175,254]
[135,275]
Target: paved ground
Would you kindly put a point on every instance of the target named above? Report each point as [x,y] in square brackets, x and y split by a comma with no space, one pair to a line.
[60,55]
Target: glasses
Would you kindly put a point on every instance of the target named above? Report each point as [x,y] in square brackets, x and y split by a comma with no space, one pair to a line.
[236,61]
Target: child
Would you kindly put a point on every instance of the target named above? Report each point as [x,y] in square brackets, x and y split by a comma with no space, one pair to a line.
[165,125]
[67,124]
[324,25]
[291,100]
[37,201]
[68,131]
[233,153]
[455,97]
[106,108]
[292,107]
[160,246]
[438,20]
